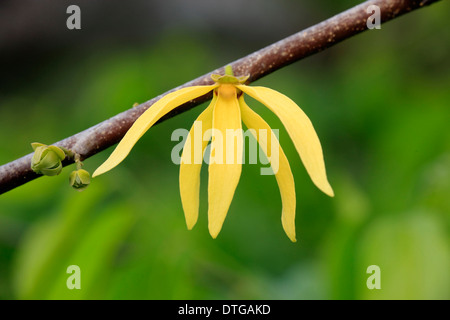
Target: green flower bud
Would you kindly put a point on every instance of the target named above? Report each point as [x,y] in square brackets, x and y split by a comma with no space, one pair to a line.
[47,159]
[79,179]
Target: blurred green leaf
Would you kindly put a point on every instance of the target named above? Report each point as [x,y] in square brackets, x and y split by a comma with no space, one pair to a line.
[413,253]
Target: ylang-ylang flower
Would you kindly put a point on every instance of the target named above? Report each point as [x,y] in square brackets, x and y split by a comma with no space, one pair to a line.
[227,111]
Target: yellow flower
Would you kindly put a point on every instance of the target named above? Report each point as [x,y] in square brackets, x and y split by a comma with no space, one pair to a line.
[226,112]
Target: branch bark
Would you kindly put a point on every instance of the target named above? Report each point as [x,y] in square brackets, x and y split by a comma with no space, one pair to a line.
[257,65]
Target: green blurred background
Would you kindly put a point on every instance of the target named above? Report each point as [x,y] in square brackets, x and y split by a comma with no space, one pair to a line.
[379,102]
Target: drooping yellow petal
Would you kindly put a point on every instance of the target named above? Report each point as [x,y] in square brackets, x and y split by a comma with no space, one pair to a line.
[191,164]
[147,119]
[226,156]
[299,128]
[283,174]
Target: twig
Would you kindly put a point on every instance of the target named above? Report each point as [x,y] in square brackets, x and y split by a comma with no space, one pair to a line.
[257,65]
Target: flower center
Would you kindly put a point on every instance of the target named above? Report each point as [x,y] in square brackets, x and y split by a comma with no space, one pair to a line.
[227,91]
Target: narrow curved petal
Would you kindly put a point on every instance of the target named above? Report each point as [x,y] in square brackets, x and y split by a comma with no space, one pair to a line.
[147,119]
[191,164]
[283,175]
[226,157]
[300,130]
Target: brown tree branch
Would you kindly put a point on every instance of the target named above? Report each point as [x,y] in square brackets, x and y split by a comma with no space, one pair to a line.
[257,65]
